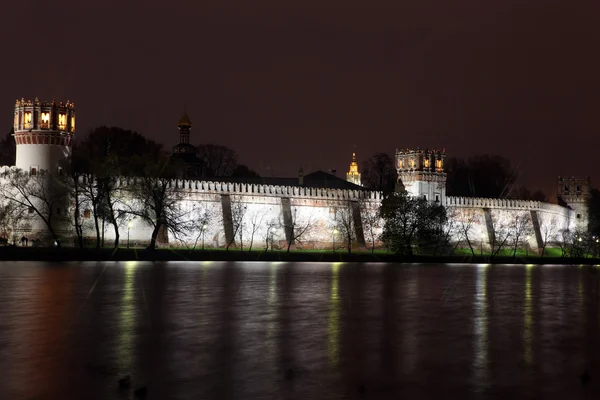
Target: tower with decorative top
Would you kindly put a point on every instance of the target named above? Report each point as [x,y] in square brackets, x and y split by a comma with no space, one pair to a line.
[575,192]
[421,173]
[43,134]
[353,175]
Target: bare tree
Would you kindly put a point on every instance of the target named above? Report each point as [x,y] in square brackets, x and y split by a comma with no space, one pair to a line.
[71,180]
[205,215]
[238,213]
[270,233]
[501,234]
[371,221]
[466,220]
[15,220]
[447,225]
[297,228]
[38,194]
[158,203]
[548,232]
[519,228]
[220,160]
[343,221]
[255,221]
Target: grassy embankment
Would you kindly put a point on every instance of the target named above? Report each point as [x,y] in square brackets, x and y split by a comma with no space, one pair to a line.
[552,256]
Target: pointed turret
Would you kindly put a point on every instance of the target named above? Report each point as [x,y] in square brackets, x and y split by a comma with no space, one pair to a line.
[353,175]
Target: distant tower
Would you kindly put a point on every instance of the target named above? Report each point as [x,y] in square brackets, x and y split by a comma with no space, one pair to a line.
[353,175]
[421,173]
[43,134]
[301,176]
[192,166]
[575,192]
[185,126]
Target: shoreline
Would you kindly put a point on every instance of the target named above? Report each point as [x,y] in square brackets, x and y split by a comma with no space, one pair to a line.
[124,254]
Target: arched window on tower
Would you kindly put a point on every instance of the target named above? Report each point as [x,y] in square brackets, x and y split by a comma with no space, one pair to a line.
[45,123]
[62,122]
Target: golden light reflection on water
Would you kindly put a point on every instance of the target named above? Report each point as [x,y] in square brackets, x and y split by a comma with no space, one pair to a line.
[528,318]
[481,362]
[333,326]
[272,310]
[127,317]
[410,337]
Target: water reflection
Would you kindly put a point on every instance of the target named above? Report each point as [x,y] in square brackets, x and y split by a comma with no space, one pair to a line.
[528,318]
[410,338]
[127,318]
[480,326]
[272,309]
[231,331]
[333,324]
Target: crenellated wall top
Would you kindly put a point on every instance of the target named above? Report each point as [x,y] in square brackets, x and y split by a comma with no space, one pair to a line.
[508,204]
[195,186]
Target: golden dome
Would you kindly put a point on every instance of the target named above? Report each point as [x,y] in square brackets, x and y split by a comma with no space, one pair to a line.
[185,120]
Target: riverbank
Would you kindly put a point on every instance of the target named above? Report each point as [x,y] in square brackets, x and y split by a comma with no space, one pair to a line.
[122,254]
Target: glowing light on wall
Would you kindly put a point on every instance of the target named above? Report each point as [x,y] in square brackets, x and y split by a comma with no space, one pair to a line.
[27,121]
[45,120]
[412,162]
[73,124]
[426,163]
[62,122]
[438,164]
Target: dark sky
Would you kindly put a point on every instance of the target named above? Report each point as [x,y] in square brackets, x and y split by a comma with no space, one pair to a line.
[292,82]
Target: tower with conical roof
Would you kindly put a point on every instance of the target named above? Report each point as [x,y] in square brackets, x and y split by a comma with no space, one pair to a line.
[185,127]
[353,175]
[185,152]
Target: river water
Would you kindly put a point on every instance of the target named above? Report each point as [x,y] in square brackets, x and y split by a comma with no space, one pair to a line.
[209,330]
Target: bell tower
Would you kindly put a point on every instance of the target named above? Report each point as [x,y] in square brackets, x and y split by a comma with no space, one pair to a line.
[421,173]
[353,175]
[43,134]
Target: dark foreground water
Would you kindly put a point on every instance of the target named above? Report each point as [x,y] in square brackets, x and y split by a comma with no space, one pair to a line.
[348,331]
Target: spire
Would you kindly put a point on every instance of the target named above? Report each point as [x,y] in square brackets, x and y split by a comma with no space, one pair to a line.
[185,120]
[353,175]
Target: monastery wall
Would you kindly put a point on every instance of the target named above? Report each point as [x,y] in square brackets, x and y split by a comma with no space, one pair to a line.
[264,211]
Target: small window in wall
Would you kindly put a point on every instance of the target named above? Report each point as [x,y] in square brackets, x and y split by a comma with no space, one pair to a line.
[578,188]
[425,196]
[566,189]
[30,210]
[87,213]
[57,210]
[578,216]
[437,198]
[33,171]
[60,171]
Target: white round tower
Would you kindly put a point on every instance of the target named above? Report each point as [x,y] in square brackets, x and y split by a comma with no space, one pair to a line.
[43,134]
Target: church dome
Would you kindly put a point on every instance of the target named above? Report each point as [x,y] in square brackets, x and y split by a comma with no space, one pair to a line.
[185,121]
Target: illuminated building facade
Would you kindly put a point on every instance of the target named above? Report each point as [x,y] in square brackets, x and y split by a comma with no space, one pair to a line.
[353,175]
[43,134]
[421,173]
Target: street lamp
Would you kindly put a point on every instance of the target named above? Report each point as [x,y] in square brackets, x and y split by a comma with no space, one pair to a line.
[203,230]
[128,228]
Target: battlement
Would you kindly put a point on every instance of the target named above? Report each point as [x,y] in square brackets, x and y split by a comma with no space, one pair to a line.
[196,186]
[425,160]
[44,116]
[505,204]
[421,151]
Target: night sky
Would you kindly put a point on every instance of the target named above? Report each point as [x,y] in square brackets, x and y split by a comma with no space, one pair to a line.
[286,83]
